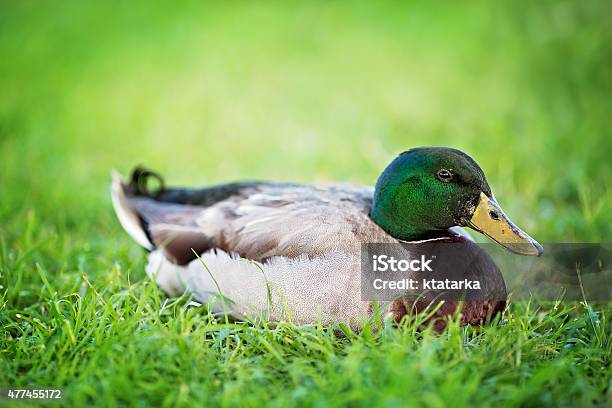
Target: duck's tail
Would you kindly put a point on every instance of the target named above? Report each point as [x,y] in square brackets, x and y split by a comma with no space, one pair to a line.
[122,193]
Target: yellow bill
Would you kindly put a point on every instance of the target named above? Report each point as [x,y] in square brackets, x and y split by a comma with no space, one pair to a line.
[489,219]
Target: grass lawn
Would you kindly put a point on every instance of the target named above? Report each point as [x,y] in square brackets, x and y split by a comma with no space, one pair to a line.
[304,92]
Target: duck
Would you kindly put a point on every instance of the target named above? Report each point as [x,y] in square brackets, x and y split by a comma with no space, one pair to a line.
[293,252]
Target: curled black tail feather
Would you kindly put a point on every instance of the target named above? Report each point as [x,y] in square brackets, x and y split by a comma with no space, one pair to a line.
[139,180]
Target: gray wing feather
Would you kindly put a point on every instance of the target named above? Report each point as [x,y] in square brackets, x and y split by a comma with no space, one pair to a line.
[258,220]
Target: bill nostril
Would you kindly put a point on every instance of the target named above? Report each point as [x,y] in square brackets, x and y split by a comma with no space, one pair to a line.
[494,215]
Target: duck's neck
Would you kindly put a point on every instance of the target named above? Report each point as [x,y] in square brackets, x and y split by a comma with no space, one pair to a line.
[399,231]
[398,220]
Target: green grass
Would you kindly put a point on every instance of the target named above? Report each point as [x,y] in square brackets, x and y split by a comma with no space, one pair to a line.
[303,92]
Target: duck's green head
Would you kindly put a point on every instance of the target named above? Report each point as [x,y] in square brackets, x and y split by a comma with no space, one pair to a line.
[431,189]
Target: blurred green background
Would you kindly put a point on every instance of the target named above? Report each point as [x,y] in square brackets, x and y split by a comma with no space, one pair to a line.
[315,91]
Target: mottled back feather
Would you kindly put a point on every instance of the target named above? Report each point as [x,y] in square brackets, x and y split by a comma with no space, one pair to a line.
[256,220]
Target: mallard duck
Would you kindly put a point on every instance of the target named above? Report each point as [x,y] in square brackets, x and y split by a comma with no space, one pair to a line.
[292,251]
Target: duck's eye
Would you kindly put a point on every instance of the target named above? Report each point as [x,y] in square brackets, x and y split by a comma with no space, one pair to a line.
[445,175]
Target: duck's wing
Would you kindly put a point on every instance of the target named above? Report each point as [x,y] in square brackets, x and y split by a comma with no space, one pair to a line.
[256,220]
